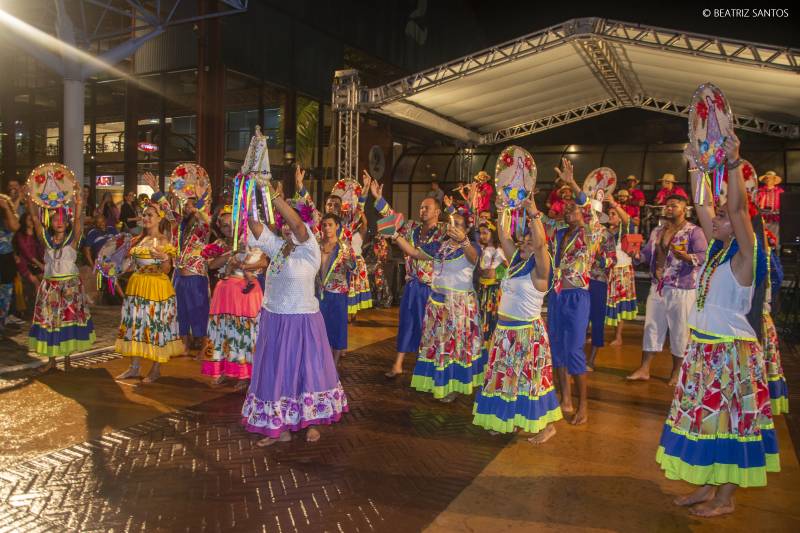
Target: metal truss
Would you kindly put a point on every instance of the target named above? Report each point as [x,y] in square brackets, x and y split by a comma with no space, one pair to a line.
[347,106]
[742,122]
[605,65]
[552,121]
[695,44]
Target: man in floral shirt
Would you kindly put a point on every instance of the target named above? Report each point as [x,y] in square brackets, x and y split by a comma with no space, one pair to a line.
[675,252]
[604,261]
[419,272]
[568,305]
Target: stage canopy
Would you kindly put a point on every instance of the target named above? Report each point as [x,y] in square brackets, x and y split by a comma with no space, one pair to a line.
[590,66]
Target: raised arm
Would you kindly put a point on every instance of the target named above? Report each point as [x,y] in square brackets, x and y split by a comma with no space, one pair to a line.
[541,272]
[503,232]
[623,215]
[288,213]
[705,208]
[77,220]
[460,236]
[738,213]
[407,248]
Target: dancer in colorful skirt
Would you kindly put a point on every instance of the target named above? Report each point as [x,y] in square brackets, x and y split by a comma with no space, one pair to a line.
[149,325]
[295,384]
[235,306]
[568,306]
[719,433]
[336,266]
[492,262]
[62,324]
[621,301]
[419,272]
[518,387]
[778,391]
[451,352]
[604,260]
[359,296]
[190,234]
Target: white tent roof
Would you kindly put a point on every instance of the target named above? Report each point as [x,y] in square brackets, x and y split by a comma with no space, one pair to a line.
[585,67]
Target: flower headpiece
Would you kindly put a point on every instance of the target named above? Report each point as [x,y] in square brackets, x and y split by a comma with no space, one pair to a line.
[156,206]
[305,209]
[226,210]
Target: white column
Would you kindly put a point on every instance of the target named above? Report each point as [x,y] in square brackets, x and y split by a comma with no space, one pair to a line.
[73,126]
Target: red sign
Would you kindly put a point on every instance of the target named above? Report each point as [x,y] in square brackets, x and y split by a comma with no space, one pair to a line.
[148,147]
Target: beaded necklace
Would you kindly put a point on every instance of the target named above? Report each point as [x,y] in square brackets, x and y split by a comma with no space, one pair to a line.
[709,267]
[57,247]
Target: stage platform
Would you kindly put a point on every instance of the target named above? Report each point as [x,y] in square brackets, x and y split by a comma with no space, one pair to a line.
[80,451]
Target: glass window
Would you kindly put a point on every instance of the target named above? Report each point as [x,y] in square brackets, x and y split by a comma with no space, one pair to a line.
[403,168]
[148,138]
[181,135]
[430,168]
[793,166]
[659,163]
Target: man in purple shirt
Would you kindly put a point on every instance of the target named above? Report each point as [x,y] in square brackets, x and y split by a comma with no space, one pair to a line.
[675,252]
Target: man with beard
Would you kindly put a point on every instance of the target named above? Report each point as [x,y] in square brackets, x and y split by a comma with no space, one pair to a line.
[419,272]
[674,253]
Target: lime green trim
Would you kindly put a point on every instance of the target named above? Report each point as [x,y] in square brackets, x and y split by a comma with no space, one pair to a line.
[712,436]
[780,405]
[624,315]
[521,394]
[71,346]
[500,316]
[62,277]
[718,473]
[425,384]
[779,377]
[492,423]
[718,339]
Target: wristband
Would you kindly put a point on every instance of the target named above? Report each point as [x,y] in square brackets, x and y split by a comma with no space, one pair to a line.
[734,164]
[536,216]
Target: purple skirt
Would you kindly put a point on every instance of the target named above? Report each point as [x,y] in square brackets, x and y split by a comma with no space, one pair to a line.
[294,383]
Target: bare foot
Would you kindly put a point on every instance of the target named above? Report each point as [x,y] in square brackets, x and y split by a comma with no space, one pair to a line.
[543,436]
[616,342]
[567,407]
[701,495]
[242,385]
[220,380]
[312,435]
[640,374]
[581,417]
[269,441]
[152,376]
[713,507]
[47,367]
[449,398]
[673,380]
[393,373]
[129,374]
[589,367]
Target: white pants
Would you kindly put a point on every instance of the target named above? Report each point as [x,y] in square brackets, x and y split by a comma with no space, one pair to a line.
[668,311]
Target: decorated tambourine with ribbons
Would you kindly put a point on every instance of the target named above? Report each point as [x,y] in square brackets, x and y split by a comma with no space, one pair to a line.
[51,185]
[600,183]
[710,123]
[190,180]
[750,182]
[348,191]
[110,260]
[254,175]
[515,179]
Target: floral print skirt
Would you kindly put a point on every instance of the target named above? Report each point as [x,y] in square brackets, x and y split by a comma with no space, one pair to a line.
[518,387]
[621,300]
[149,325]
[778,391]
[359,295]
[719,429]
[62,323]
[488,302]
[295,383]
[232,329]
[451,353]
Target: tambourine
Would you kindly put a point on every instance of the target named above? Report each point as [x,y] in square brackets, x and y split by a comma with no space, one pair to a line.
[190,180]
[111,258]
[600,179]
[710,123]
[515,176]
[750,182]
[51,185]
[349,191]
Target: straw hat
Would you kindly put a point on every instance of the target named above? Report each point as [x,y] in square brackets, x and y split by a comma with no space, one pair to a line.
[482,176]
[632,177]
[668,177]
[770,174]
